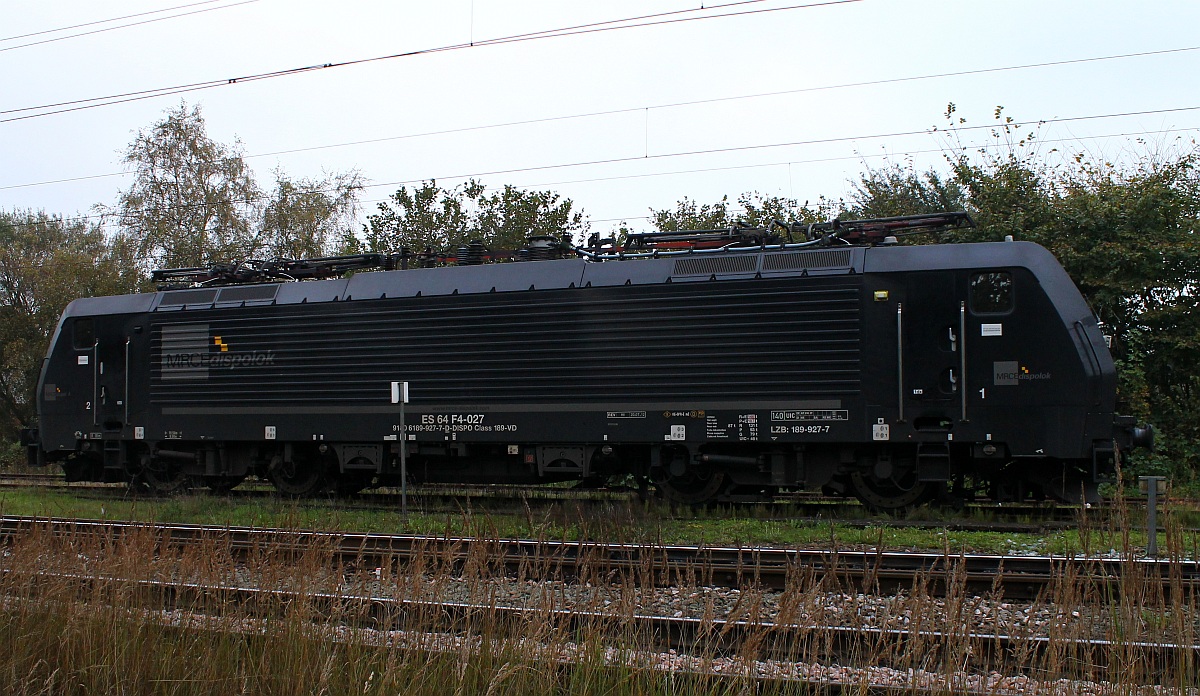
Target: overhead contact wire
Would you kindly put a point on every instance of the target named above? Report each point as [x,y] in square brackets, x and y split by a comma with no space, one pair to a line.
[627,23]
[610,112]
[122,26]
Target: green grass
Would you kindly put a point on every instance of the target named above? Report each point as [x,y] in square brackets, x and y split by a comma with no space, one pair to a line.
[618,522]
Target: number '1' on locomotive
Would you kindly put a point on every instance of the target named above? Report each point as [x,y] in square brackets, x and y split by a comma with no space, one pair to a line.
[712,365]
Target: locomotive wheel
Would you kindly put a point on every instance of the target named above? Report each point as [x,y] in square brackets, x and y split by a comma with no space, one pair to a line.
[164,479]
[691,489]
[900,492]
[298,478]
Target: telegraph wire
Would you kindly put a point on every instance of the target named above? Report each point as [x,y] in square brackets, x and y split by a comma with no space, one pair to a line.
[694,102]
[594,27]
[121,26]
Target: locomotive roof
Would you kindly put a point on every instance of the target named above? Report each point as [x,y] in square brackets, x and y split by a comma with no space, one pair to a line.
[577,273]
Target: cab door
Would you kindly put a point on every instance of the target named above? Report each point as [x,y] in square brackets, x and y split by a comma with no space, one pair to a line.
[932,321]
[111,374]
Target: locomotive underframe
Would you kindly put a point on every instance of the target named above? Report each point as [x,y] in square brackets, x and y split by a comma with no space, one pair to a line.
[884,476]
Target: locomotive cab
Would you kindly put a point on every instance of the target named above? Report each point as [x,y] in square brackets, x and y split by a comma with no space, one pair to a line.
[1000,371]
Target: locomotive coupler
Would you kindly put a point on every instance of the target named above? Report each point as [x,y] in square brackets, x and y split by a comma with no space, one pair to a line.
[1135,435]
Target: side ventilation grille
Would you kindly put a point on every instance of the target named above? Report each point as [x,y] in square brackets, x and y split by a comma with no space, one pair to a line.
[793,260]
[708,265]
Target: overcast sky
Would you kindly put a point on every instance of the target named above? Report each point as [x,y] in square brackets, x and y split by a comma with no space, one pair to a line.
[845,77]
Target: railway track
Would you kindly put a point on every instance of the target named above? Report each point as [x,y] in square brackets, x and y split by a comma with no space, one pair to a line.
[1013,577]
[1031,517]
[704,639]
[353,595]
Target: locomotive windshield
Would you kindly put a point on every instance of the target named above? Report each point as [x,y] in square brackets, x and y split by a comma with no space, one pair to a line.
[991,293]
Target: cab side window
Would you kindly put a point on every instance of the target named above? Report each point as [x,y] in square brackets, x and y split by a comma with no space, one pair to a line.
[84,334]
[991,292]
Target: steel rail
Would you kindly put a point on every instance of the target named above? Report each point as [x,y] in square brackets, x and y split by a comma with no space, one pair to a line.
[706,638]
[1014,577]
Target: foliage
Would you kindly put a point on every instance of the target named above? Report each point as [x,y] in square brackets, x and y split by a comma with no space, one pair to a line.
[195,202]
[309,218]
[192,202]
[899,190]
[757,210]
[430,217]
[11,455]
[690,215]
[45,262]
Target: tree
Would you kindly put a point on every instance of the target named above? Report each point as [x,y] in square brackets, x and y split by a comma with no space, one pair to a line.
[45,262]
[440,219]
[308,218]
[193,200]
[691,215]
[900,190]
[758,210]
[505,219]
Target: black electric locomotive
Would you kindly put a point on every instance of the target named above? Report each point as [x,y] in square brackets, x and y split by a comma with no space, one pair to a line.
[710,365]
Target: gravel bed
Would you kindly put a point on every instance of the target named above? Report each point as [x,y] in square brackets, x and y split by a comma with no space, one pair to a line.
[671,662]
[970,613]
[808,607]
[811,607]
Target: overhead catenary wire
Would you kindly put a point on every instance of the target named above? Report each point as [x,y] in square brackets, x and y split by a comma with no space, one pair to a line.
[667,105]
[163,91]
[105,21]
[590,28]
[839,158]
[122,26]
[797,143]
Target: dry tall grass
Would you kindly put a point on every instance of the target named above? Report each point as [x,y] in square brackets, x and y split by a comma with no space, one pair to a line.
[67,636]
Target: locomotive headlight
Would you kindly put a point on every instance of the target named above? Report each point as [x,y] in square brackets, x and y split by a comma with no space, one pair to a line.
[989,450]
[606,450]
